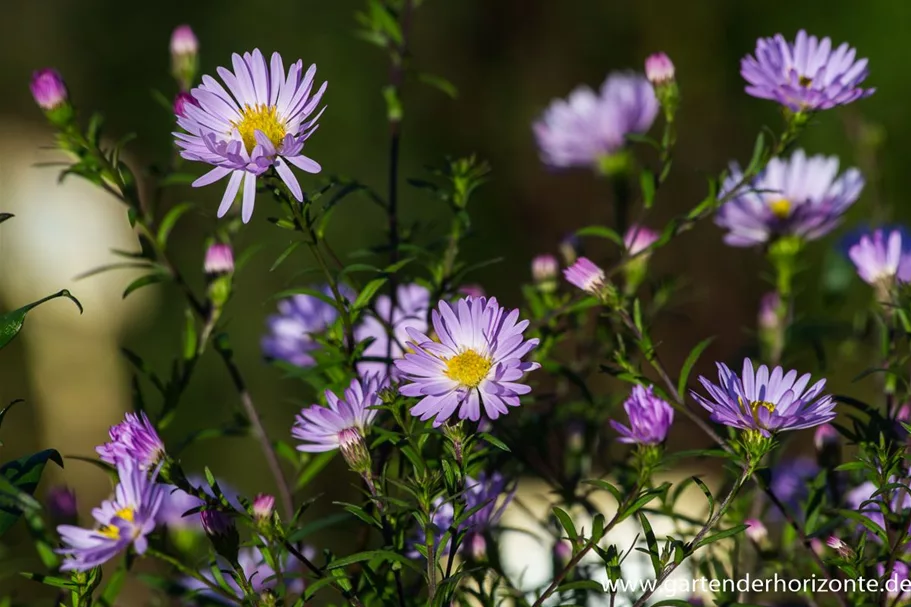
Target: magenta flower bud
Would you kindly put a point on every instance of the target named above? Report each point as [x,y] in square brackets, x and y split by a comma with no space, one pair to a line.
[183,41]
[263,505]
[659,69]
[563,552]
[180,103]
[840,547]
[477,546]
[219,259]
[585,275]
[768,311]
[471,290]
[222,532]
[544,268]
[48,89]
[817,546]
[61,503]
[904,413]
[639,238]
[825,437]
[756,531]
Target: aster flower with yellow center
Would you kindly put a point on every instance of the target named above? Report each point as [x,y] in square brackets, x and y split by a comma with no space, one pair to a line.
[801,196]
[123,521]
[258,122]
[764,403]
[475,362]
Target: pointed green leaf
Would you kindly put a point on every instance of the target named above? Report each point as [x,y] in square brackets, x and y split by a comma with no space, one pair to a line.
[11,322]
[22,475]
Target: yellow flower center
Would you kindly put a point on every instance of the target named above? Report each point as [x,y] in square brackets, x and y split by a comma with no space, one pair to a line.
[112,531]
[780,207]
[755,406]
[805,81]
[263,118]
[468,368]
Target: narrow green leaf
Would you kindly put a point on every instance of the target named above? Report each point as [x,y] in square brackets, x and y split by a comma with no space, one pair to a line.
[367,293]
[23,475]
[170,220]
[11,322]
[285,254]
[690,362]
[601,232]
[439,83]
[379,555]
[5,216]
[647,184]
[144,281]
[566,522]
[715,537]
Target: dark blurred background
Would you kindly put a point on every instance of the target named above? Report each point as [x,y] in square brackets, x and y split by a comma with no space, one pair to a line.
[508,59]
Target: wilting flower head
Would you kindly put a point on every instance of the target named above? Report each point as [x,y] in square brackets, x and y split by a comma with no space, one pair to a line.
[650,418]
[61,503]
[180,102]
[806,75]
[587,127]
[133,439]
[802,197]
[766,402]
[324,428]
[476,363]
[411,304]
[48,88]
[585,275]
[263,506]
[483,493]
[262,123]
[255,569]
[219,259]
[659,68]
[126,519]
[638,238]
[290,336]
[789,480]
[755,530]
[882,257]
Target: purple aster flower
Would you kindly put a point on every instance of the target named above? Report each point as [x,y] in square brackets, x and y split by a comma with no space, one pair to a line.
[806,75]
[650,418]
[133,439]
[789,481]
[483,493]
[262,123]
[219,259]
[476,363]
[638,238]
[181,101]
[61,503]
[882,257]
[326,428]
[299,317]
[585,275]
[588,126]
[127,519]
[262,577]
[177,503]
[48,89]
[897,585]
[659,69]
[766,402]
[802,197]
[412,303]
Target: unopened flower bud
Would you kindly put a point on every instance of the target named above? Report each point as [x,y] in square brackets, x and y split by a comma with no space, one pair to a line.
[817,546]
[222,532]
[585,275]
[768,312]
[637,241]
[840,547]
[659,69]
[354,449]
[826,436]
[48,89]
[570,248]
[544,269]
[184,56]
[477,547]
[756,531]
[181,101]
[61,504]
[563,552]
[263,506]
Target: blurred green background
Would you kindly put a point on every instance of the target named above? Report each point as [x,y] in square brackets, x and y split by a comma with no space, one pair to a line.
[508,59]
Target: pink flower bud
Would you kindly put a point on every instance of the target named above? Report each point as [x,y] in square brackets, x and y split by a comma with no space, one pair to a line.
[263,505]
[48,89]
[219,259]
[659,69]
[183,41]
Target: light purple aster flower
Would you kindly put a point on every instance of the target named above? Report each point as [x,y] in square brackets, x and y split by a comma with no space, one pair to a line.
[127,519]
[177,503]
[588,126]
[48,89]
[789,480]
[897,586]
[802,197]
[766,402]
[490,494]
[585,275]
[412,303]
[133,439]
[650,418]
[324,428]
[262,123]
[299,317]
[476,363]
[255,569]
[806,75]
[881,257]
